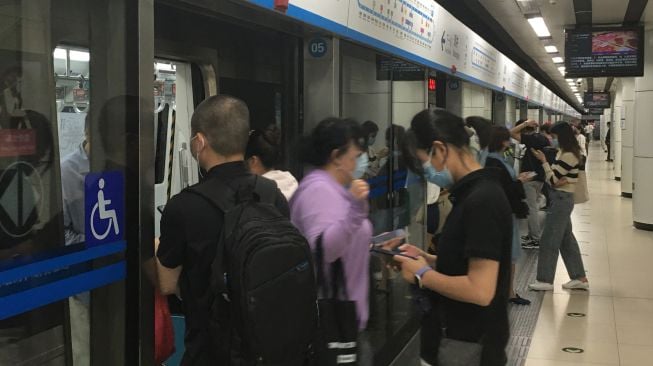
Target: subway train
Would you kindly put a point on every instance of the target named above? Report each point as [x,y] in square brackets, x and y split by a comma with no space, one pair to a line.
[96,103]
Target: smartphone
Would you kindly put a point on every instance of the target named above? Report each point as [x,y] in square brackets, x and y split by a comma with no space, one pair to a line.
[390,252]
[381,239]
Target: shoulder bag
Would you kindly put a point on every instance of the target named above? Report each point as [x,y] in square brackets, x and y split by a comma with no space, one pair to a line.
[338,324]
[453,352]
[581,192]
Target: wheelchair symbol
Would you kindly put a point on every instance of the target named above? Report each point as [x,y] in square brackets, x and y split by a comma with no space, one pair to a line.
[101,209]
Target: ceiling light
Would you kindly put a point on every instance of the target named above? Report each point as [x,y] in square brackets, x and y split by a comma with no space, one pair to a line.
[551,49]
[558,60]
[60,53]
[540,28]
[79,56]
[579,80]
[160,66]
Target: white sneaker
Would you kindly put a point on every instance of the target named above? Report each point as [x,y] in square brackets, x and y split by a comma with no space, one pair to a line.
[541,286]
[576,285]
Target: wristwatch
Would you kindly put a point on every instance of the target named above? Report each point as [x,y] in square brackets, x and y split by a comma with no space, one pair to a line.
[418,275]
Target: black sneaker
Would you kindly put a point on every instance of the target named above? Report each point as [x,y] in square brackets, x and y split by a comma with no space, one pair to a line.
[531,244]
[518,300]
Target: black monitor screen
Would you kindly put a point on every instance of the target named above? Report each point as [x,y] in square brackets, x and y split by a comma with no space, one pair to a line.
[604,52]
[597,100]
[596,111]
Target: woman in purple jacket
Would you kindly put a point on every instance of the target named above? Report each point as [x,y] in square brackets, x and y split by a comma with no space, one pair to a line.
[331,203]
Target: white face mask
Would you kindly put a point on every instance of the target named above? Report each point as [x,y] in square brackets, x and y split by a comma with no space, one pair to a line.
[197,157]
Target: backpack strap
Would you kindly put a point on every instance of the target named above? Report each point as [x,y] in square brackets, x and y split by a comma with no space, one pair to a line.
[265,190]
[223,198]
[219,194]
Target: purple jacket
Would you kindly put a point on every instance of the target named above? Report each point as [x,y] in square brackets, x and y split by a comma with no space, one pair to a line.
[322,206]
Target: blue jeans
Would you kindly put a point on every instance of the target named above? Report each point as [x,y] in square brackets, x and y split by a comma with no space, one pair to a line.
[558,237]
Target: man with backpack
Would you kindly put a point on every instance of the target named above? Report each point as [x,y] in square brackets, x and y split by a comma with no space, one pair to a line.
[227,248]
[525,132]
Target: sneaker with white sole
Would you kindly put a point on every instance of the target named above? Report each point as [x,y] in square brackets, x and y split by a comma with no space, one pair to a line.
[576,285]
[541,286]
[532,244]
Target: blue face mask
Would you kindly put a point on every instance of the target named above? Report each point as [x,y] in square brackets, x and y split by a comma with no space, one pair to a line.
[555,144]
[371,141]
[362,163]
[442,179]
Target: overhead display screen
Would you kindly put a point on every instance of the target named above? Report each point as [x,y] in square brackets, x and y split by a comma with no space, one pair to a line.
[597,100]
[604,52]
[596,111]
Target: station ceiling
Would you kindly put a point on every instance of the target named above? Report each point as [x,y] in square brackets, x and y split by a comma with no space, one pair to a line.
[504,24]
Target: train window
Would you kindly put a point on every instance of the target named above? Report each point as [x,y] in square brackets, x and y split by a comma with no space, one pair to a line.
[175,85]
[165,76]
[69,155]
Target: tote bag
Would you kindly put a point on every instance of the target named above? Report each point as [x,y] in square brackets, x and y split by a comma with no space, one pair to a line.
[338,325]
[581,193]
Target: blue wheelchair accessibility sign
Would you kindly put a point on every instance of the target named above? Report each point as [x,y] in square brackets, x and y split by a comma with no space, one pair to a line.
[104,202]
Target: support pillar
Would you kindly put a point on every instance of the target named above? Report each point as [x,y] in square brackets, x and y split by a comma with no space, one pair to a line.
[617,123]
[321,80]
[540,115]
[499,109]
[523,109]
[643,149]
[455,96]
[627,138]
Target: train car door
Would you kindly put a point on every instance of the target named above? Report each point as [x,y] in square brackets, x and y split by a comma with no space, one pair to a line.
[175,168]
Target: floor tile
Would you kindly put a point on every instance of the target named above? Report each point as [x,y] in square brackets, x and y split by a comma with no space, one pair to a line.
[634,355]
[551,348]
[542,362]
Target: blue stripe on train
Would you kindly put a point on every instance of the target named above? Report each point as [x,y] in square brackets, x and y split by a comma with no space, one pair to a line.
[36,297]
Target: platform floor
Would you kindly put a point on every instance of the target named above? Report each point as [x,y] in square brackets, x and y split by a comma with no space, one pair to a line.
[612,323]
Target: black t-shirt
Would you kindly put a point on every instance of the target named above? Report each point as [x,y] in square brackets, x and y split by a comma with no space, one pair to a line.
[479,226]
[529,162]
[190,230]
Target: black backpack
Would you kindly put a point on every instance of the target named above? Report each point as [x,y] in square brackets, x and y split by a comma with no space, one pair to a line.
[264,308]
[514,189]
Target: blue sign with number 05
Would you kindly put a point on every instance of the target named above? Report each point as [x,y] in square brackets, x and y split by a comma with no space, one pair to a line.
[317,47]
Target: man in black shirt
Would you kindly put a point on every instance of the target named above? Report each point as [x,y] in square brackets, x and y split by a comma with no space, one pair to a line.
[524,132]
[608,142]
[190,225]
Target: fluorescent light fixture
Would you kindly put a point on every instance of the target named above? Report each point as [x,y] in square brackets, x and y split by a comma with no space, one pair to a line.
[79,56]
[540,28]
[551,49]
[558,60]
[164,67]
[60,53]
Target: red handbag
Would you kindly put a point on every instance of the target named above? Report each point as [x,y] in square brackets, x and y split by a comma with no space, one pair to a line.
[164,334]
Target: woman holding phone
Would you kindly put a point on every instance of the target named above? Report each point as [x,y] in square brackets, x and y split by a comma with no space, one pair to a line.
[467,282]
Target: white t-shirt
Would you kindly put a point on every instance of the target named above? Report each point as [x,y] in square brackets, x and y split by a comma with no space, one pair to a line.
[582,141]
[432,193]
